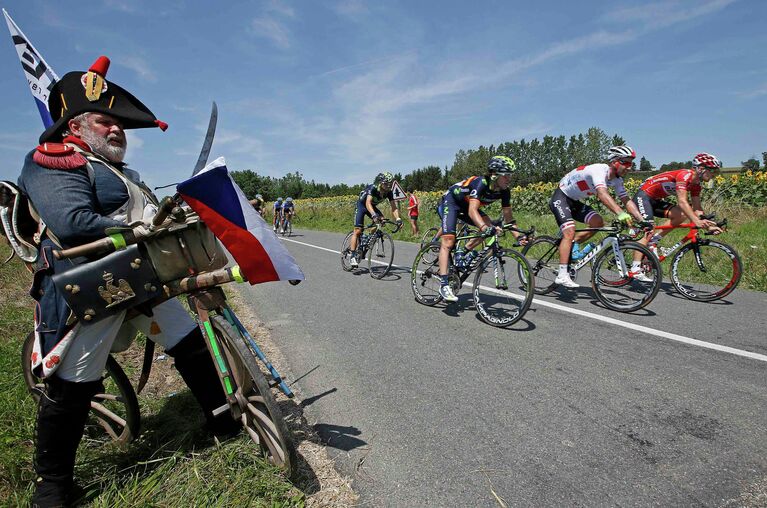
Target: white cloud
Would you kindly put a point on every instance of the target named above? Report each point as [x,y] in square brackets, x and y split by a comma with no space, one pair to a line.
[662,14]
[272,30]
[138,65]
[281,8]
[350,8]
[756,92]
[134,141]
[120,5]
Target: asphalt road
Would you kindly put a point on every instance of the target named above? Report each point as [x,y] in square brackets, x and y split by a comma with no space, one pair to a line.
[575,405]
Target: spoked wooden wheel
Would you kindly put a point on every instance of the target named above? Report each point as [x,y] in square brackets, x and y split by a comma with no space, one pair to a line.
[256,407]
[114,413]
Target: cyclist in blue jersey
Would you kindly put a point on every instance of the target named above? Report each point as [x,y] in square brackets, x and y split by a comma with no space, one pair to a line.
[277,209]
[464,201]
[288,210]
[380,189]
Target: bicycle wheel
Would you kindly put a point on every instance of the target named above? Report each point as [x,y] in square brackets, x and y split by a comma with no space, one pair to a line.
[706,271]
[428,236]
[543,255]
[346,253]
[503,288]
[380,255]
[256,407]
[615,287]
[115,411]
[289,229]
[424,276]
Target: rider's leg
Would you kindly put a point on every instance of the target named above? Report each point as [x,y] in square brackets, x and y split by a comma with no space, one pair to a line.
[594,220]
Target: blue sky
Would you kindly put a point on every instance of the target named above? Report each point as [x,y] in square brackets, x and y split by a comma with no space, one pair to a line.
[342,89]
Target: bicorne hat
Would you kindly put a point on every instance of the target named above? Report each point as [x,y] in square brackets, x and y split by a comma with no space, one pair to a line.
[82,92]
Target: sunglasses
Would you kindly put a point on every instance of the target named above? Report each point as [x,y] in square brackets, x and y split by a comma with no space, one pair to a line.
[626,162]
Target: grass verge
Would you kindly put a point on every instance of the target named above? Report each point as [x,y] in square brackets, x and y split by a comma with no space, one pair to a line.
[172,463]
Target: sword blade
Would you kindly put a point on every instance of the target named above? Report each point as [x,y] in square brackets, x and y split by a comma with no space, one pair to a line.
[208,143]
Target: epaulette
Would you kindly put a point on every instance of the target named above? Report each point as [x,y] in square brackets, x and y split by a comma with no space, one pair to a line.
[58,156]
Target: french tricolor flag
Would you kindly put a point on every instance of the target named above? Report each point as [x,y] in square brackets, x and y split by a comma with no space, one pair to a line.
[223,207]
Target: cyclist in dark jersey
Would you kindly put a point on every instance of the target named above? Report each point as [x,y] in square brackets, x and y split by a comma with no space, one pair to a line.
[367,203]
[277,209]
[463,201]
[288,210]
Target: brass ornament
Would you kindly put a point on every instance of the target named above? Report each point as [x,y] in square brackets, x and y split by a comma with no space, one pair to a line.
[115,294]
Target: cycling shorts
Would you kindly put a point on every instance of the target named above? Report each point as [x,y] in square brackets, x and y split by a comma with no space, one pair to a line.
[450,213]
[567,210]
[362,211]
[650,207]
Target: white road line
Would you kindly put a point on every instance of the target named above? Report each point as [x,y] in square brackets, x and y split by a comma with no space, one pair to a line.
[605,319]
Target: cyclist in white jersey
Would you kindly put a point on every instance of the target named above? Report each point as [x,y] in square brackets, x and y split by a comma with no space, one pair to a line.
[579,184]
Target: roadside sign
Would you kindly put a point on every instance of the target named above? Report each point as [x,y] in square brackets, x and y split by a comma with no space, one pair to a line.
[397,192]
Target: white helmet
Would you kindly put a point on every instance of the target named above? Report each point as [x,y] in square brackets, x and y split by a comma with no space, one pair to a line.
[288,200]
[620,152]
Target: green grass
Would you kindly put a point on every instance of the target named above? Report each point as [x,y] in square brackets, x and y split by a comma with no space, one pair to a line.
[173,463]
[747,233]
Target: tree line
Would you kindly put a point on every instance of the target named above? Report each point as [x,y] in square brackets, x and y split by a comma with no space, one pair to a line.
[538,160]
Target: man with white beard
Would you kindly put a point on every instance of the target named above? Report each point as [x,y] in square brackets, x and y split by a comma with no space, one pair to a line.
[81,189]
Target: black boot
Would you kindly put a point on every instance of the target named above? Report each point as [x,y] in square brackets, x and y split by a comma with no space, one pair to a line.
[61,417]
[194,363]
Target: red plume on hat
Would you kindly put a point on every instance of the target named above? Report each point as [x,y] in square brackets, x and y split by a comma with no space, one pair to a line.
[82,92]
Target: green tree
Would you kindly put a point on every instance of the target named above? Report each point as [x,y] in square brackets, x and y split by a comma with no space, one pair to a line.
[752,164]
[644,165]
[764,159]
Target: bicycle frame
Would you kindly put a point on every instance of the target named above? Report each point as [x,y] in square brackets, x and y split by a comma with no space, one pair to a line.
[490,243]
[612,240]
[691,236]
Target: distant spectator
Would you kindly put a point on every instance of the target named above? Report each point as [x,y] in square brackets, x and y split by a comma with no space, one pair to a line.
[412,209]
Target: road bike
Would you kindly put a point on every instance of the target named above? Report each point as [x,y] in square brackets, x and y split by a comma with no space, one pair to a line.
[374,242]
[286,227]
[503,279]
[614,285]
[185,259]
[702,270]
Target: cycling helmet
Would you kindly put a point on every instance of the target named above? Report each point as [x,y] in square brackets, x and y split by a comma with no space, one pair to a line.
[706,160]
[288,200]
[620,152]
[259,196]
[279,199]
[501,164]
[384,177]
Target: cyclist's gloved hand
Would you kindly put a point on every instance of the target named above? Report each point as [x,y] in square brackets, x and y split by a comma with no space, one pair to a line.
[399,222]
[624,218]
[488,231]
[377,219]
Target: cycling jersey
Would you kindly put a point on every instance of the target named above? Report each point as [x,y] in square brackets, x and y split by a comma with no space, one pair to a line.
[277,206]
[477,187]
[666,184]
[288,208]
[584,181]
[373,191]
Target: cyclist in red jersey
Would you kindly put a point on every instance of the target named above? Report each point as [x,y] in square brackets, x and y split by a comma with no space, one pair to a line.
[650,198]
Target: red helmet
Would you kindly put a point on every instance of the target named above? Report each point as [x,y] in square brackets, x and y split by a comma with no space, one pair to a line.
[707,161]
